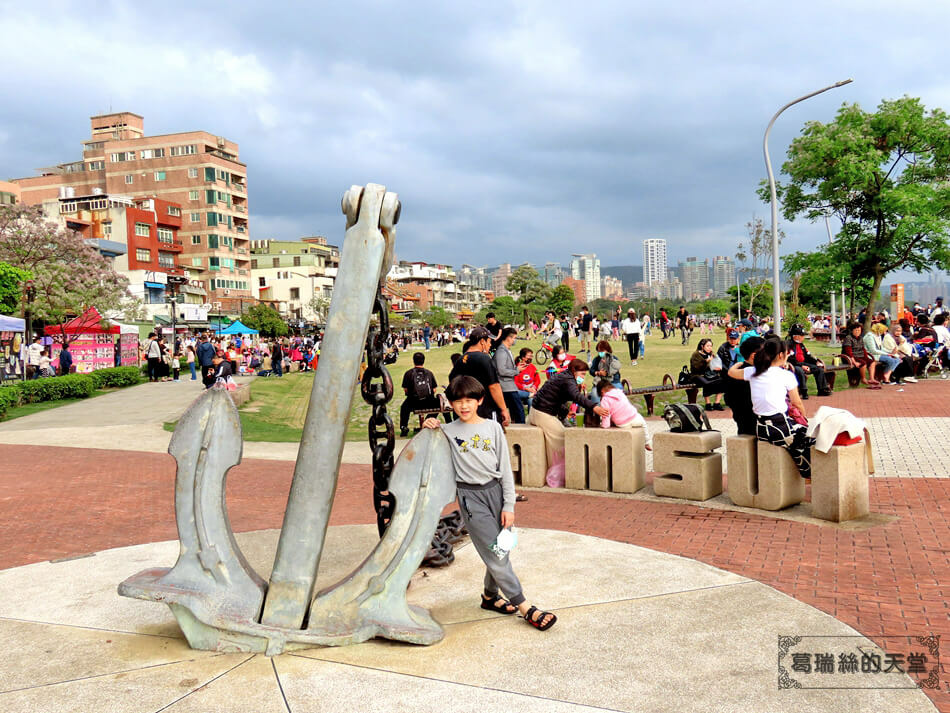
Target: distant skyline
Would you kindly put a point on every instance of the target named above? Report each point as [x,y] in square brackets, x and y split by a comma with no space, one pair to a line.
[513,132]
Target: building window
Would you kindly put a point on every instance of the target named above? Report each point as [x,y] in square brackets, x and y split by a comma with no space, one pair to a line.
[128,179]
[174,210]
[197,262]
[143,255]
[153,153]
[275,262]
[123,156]
[143,230]
[193,195]
[192,172]
[213,241]
[196,217]
[165,235]
[297,261]
[253,264]
[183,150]
[213,263]
[196,240]
[262,282]
[295,293]
[166,259]
[97,165]
[211,197]
[159,175]
[212,219]
[209,174]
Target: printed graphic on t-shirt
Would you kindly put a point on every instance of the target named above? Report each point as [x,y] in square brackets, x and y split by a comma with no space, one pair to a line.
[475,443]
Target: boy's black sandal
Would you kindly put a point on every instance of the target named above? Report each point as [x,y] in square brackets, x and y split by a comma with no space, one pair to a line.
[499,604]
[537,623]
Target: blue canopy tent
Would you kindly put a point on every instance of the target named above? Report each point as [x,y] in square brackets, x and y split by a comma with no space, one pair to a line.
[237,327]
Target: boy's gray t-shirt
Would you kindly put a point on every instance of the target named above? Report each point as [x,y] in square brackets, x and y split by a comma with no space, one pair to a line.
[480,454]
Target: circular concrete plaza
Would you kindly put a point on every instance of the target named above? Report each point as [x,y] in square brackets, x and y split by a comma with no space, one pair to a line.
[663,604]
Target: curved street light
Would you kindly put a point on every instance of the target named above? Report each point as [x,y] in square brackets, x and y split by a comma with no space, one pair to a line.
[776,289]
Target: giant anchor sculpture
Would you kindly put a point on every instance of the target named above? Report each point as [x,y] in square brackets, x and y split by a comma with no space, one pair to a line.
[219,601]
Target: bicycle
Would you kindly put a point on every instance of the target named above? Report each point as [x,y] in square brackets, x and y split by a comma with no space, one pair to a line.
[543,355]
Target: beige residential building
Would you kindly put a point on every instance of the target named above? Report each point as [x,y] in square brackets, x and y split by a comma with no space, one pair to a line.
[9,193]
[288,274]
[197,170]
[499,279]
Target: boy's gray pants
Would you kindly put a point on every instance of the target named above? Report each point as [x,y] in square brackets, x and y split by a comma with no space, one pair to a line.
[481,511]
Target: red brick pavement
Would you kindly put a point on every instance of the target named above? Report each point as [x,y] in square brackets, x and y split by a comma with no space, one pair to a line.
[928,397]
[890,579]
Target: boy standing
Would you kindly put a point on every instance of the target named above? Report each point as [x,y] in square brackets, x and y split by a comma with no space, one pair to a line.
[486,496]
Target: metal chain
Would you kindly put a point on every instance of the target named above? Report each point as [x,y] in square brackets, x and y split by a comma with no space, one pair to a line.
[376,388]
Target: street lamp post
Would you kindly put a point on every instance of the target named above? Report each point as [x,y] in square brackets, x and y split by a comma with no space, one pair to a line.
[29,294]
[776,290]
[834,312]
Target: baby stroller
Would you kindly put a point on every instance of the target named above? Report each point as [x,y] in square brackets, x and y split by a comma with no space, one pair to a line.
[935,359]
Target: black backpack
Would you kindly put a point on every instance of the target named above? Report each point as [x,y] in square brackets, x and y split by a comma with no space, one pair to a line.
[421,384]
[686,418]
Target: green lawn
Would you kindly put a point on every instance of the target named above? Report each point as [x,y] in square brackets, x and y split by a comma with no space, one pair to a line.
[278,407]
[27,409]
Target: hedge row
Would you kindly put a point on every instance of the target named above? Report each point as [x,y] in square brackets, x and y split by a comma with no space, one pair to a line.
[73,386]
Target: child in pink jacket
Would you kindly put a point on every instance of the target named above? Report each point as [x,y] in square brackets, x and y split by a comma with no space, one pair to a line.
[620,412]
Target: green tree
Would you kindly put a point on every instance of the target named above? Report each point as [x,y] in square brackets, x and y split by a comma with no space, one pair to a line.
[886,177]
[561,300]
[266,320]
[759,299]
[11,287]
[525,282]
[438,317]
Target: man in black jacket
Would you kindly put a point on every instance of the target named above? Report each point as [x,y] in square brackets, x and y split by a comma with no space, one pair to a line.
[205,353]
[805,363]
[728,352]
[476,363]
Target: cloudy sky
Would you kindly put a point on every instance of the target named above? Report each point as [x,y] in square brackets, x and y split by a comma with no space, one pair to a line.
[519,131]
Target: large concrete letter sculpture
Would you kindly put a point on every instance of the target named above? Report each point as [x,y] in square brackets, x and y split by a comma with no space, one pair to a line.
[220,602]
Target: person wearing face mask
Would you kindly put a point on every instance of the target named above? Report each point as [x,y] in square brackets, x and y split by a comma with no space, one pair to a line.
[606,365]
[559,389]
[559,361]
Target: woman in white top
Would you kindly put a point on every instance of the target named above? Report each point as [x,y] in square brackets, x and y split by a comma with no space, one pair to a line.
[772,387]
[631,328]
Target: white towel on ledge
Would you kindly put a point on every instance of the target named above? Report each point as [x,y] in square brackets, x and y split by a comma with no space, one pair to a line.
[825,426]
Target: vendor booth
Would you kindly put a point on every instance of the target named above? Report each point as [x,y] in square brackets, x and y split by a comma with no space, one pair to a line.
[12,348]
[95,342]
[237,327]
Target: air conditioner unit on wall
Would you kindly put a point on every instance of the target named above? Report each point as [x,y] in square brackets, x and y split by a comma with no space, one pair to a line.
[227,292]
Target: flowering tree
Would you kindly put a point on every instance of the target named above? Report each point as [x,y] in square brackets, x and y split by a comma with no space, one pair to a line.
[69,275]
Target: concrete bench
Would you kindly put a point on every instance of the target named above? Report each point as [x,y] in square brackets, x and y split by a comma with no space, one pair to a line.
[762,475]
[691,470]
[606,459]
[839,483]
[528,457]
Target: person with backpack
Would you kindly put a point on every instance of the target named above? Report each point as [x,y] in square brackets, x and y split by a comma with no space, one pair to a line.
[419,385]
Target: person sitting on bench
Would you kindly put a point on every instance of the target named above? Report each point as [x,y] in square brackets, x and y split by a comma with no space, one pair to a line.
[419,384]
[804,363]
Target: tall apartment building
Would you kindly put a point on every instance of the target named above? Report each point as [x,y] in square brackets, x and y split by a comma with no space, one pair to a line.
[612,288]
[579,287]
[552,274]
[695,278]
[500,279]
[587,268]
[723,275]
[654,261]
[197,170]
[288,274]
[140,237]
[478,277]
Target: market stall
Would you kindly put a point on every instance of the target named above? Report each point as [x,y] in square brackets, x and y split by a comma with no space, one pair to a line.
[11,347]
[95,342]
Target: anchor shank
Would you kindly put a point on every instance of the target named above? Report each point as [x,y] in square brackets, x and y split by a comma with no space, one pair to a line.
[321,447]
